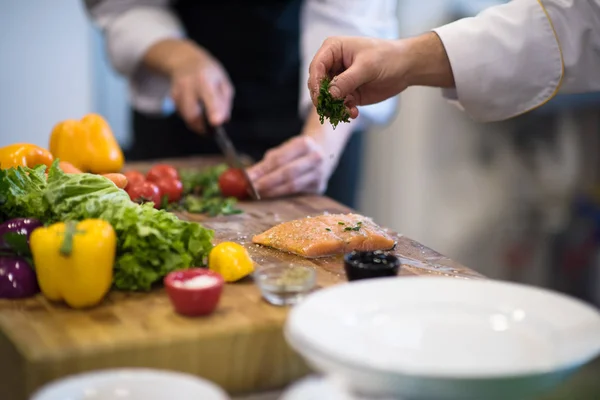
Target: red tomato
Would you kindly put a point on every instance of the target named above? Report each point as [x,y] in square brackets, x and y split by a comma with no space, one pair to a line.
[133,178]
[172,188]
[143,192]
[233,184]
[161,171]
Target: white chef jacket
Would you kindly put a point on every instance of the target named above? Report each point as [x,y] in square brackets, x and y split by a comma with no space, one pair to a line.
[513,58]
[131,27]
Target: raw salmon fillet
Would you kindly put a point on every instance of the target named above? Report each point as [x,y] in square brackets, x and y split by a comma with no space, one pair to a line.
[326,235]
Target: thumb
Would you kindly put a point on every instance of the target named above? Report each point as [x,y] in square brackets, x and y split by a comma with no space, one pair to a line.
[350,80]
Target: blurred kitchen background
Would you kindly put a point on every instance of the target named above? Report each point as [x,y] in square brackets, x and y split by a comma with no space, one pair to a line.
[513,200]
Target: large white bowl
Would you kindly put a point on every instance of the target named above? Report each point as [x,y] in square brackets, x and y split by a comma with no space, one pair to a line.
[131,384]
[444,338]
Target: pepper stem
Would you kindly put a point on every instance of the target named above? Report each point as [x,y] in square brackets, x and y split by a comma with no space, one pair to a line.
[66,247]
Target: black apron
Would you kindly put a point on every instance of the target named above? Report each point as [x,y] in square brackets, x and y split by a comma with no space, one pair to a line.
[258,44]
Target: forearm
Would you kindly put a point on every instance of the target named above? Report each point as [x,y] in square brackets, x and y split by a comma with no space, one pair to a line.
[428,63]
[168,55]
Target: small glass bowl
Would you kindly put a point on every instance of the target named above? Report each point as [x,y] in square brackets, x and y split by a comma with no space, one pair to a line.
[285,284]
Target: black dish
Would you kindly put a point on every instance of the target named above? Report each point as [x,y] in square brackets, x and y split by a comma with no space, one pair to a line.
[370,264]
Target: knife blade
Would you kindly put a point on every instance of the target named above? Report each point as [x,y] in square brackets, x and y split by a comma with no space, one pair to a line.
[231,155]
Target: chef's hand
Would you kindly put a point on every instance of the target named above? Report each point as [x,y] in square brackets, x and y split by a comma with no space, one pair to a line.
[297,166]
[196,76]
[367,71]
[304,163]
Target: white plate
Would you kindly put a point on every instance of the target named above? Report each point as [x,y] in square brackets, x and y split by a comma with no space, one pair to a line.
[319,388]
[131,384]
[444,338]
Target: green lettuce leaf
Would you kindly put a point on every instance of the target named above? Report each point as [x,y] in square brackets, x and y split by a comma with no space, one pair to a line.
[79,196]
[20,193]
[160,242]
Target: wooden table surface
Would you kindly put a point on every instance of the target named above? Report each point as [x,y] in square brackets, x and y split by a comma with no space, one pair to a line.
[240,347]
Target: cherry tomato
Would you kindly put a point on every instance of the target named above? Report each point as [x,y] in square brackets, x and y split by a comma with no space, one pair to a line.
[161,171]
[233,184]
[133,178]
[143,192]
[172,188]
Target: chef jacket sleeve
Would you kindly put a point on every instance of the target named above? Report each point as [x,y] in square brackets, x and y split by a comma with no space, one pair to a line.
[323,18]
[513,58]
[131,27]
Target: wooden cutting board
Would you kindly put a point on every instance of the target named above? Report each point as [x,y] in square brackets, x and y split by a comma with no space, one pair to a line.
[240,347]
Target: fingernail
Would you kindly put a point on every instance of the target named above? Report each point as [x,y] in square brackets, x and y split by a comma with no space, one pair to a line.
[335,91]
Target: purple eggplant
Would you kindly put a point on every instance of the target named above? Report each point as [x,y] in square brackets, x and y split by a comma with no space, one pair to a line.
[17,278]
[19,229]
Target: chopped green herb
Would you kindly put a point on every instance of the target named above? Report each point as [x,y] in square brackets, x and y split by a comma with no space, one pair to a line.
[354,228]
[327,107]
[341,223]
[212,206]
[328,229]
[202,194]
[205,181]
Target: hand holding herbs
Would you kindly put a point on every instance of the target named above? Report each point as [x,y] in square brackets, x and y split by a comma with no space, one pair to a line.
[328,107]
[369,71]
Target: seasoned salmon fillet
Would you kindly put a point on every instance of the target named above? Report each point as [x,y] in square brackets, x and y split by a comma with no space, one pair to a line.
[326,235]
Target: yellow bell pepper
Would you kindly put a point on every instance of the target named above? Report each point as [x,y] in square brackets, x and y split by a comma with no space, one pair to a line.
[88,144]
[231,260]
[24,155]
[74,261]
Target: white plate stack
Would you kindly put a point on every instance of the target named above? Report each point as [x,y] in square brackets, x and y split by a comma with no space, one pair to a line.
[443,338]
